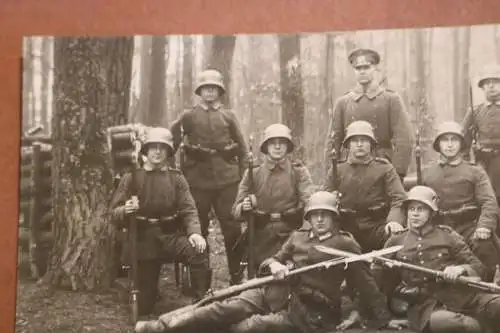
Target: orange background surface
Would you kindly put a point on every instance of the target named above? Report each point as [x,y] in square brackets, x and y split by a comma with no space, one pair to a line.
[20,18]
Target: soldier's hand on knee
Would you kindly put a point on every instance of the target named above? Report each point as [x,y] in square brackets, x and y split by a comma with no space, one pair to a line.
[393,227]
[278,270]
[198,242]
[132,205]
[452,273]
[482,233]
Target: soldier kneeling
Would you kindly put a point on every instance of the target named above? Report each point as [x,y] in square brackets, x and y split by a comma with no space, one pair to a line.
[167,220]
[308,302]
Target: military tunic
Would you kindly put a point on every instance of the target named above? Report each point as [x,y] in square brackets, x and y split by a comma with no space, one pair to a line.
[467,202]
[213,177]
[485,119]
[166,217]
[385,111]
[282,190]
[309,303]
[436,247]
[371,196]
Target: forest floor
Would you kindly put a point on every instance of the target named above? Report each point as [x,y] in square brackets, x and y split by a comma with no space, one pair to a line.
[66,311]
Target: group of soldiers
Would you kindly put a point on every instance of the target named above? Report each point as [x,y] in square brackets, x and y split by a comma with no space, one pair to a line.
[448,222]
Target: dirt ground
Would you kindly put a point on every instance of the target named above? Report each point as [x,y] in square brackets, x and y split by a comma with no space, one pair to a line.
[64,311]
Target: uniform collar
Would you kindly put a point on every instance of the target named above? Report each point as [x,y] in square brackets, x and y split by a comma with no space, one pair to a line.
[444,161]
[215,106]
[426,229]
[322,237]
[488,103]
[373,91]
[148,167]
[353,160]
[271,164]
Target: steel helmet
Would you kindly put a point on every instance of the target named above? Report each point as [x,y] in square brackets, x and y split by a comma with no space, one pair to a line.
[321,200]
[158,135]
[489,72]
[359,127]
[425,195]
[448,127]
[210,77]
[277,131]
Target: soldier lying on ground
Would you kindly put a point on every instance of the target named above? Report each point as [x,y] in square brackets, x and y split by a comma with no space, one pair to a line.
[167,221]
[277,196]
[437,306]
[308,303]
[466,197]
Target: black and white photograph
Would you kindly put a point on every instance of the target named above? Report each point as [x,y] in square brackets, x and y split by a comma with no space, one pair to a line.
[319,182]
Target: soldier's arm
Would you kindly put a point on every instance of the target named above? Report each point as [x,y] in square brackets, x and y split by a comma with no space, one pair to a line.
[117,203]
[403,137]
[243,192]
[464,256]
[237,135]
[359,277]
[485,196]
[285,253]
[186,206]
[468,126]
[387,278]
[335,130]
[175,128]
[305,184]
[396,194]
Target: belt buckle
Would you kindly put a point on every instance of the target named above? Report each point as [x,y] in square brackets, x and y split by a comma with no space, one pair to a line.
[275,217]
[153,220]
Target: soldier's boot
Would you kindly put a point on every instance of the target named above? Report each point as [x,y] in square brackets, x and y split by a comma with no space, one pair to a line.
[201,281]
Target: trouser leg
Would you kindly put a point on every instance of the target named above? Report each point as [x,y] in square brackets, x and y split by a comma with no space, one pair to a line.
[444,321]
[148,274]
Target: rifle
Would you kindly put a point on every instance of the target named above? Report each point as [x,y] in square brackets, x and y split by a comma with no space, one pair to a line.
[259,282]
[251,269]
[475,145]
[335,182]
[418,157]
[391,263]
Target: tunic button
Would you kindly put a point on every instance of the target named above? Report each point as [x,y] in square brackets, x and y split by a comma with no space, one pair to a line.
[419,246]
[420,253]
[421,261]
[419,238]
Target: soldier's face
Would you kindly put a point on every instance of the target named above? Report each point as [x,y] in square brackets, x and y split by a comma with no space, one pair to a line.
[321,221]
[364,73]
[360,146]
[450,145]
[209,93]
[418,214]
[277,148]
[492,89]
[157,153]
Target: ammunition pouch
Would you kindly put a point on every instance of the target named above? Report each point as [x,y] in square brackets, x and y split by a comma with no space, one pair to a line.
[410,294]
[376,213]
[202,153]
[459,216]
[292,217]
[168,224]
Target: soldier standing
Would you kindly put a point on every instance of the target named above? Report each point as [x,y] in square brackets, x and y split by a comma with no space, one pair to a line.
[467,199]
[278,194]
[437,306]
[214,160]
[310,303]
[382,108]
[481,124]
[167,221]
[371,191]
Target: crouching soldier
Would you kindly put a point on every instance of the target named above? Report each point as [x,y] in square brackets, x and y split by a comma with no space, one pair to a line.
[310,302]
[370,188]
[277,194]
[437,305]
[467,200]
[167,221]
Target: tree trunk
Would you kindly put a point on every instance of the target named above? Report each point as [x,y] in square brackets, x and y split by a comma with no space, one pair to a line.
[91,92]
[187,72]
[157,97]
[46,61]
[292,99]
[145,74]
[497,42]
[461,45]
[28,104]
[221,59]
